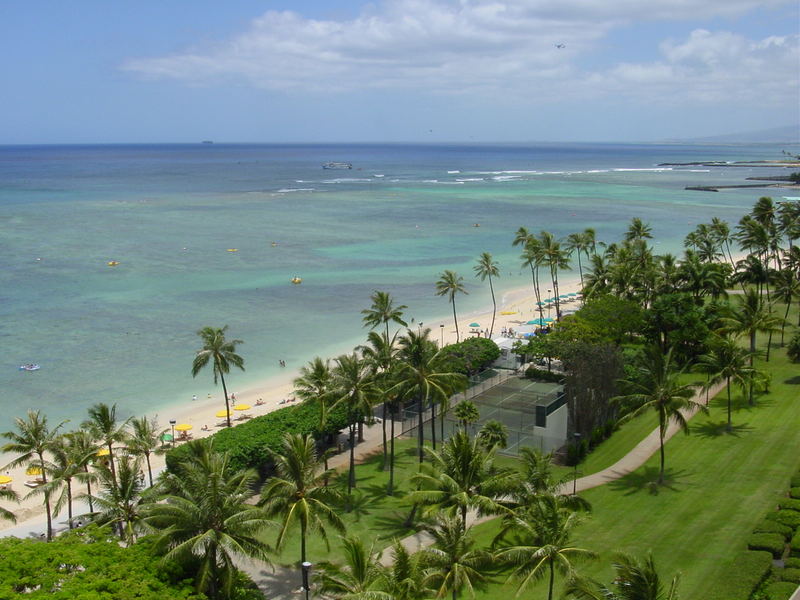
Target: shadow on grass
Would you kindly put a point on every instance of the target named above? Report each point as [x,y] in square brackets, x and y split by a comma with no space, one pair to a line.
[647,480]
[393,525]
[793,380]
[716,429]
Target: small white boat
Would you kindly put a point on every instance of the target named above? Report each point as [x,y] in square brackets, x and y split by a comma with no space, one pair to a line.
[29,367]
[337,165]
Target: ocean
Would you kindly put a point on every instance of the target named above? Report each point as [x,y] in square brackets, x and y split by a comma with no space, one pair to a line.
[170,214]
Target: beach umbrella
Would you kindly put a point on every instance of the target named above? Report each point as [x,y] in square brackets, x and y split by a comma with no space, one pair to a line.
[166,437]
[547,320]
[102,452]
[33,471]
[5,479]
[564,296]
[221,414]
[474,324]
[183,427]
[573,294]
[533,322]
[242,407]
[540,304]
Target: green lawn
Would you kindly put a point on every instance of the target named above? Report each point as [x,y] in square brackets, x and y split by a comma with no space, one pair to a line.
[719,486]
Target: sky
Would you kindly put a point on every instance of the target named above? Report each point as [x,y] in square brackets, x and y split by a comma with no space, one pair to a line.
[279,71]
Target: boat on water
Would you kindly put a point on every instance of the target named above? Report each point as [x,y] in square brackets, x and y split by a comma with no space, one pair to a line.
[29,367]
[337,165]
[296,280]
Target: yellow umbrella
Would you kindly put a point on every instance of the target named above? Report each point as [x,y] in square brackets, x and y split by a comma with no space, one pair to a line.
[183,427]
[221,413]
[103,452]
[33,471]
[242,407]
[5,479]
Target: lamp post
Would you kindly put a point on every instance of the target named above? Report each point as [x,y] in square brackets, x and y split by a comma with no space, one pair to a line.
[419,329]
[577,437]
[172,423]
[441,335]
[306,568]
[549,304]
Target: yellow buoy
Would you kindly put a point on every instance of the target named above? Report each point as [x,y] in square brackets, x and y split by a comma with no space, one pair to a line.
[296,280]
[112,263]
[233,249]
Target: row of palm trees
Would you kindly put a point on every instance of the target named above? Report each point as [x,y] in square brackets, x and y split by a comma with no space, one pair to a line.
[104,451]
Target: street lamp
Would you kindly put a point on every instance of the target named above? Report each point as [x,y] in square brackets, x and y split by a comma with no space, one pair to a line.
[172,422]
[549,304]
[441,335]
[577,437]
[306,568]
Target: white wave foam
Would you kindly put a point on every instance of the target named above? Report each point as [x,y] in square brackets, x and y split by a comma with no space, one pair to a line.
[699,170]
[470,179]
[506,177]
[655,169]
[288,190]
[378,175]
[519,172]
[453,172]
[347,180]
[598,171]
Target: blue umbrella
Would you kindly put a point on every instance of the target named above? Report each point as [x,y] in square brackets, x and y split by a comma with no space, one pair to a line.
[564,296]
[548,320]
[540,304]
[572,294]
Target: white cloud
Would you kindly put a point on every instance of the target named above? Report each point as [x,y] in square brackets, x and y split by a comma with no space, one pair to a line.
[486,48]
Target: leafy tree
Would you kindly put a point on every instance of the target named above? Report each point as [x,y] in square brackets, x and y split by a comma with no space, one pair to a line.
[315,383]
[203,519]
[452,564]
[541,543]
[298,494]
[493,434]
[30,442]
[658,388]
[793,349]
[467,413]
[221,354]
[144,440]
[635,580]
[450,284]
[462,476]
[361,577]
[102,423]
[487,267]
[592,380]
[470,356]
[727,361]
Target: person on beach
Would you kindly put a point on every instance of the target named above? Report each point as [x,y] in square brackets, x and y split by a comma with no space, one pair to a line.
[204,428]
[194,397]
[259,402]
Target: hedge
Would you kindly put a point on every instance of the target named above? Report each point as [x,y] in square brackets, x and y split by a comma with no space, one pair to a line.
[789,503]
[792,575]
[780,590]
[771,542]
[743,574]
[795,492]
[544,375]
[795,481]
[769,526]
[794,545]
[248,442]
[470,356]
[791,563]
[790,518]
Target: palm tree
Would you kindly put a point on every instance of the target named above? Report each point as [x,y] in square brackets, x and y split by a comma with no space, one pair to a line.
[63,468]
[460,477]
[580,244]
[556,258]
[30,441]
[787,288]
[382,311]
[11,496]
[726,361]
[450,284]
[144,440]
[84,449]
[297,492]
[638,230]
[635,580]
[467,413]
[356,390]
[420,376]
[657,387]
[120,498]
[361,577]
[488,267]
[541,533]
[315,385]
[493,434]
[221,353]
[102,423]
[452,564]
[533,257]
[204,516]
[404,578]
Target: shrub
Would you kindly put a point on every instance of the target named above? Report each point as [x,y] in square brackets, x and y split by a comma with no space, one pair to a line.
[769,526]
[795,481]
[789,503]
[743,574]
[771,542]
[791,563]
[794,545]
[793,349]
[544,375]
[780,590]
[791,518]
[792,575]
[795,492]
[248,443]
[470,356]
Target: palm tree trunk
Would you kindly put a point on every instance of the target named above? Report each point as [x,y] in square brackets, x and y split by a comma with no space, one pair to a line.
[69,503]
[390,487]
[662,429]
[535,283]
[421,433]
[455,319]
[302,541]
[785,318]
[111,463]
[227,405]
[464,516]
[728,385]
[751,398]
[580,268]
[552,578]
[351,478]
[88,489]
[383,428]
[149,470]
[46,500]
[494,307]
[433,424]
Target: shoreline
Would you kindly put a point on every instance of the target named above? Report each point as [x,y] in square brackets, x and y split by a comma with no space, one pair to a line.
[272,390]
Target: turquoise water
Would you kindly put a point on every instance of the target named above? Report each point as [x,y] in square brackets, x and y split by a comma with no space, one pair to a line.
[168,214]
